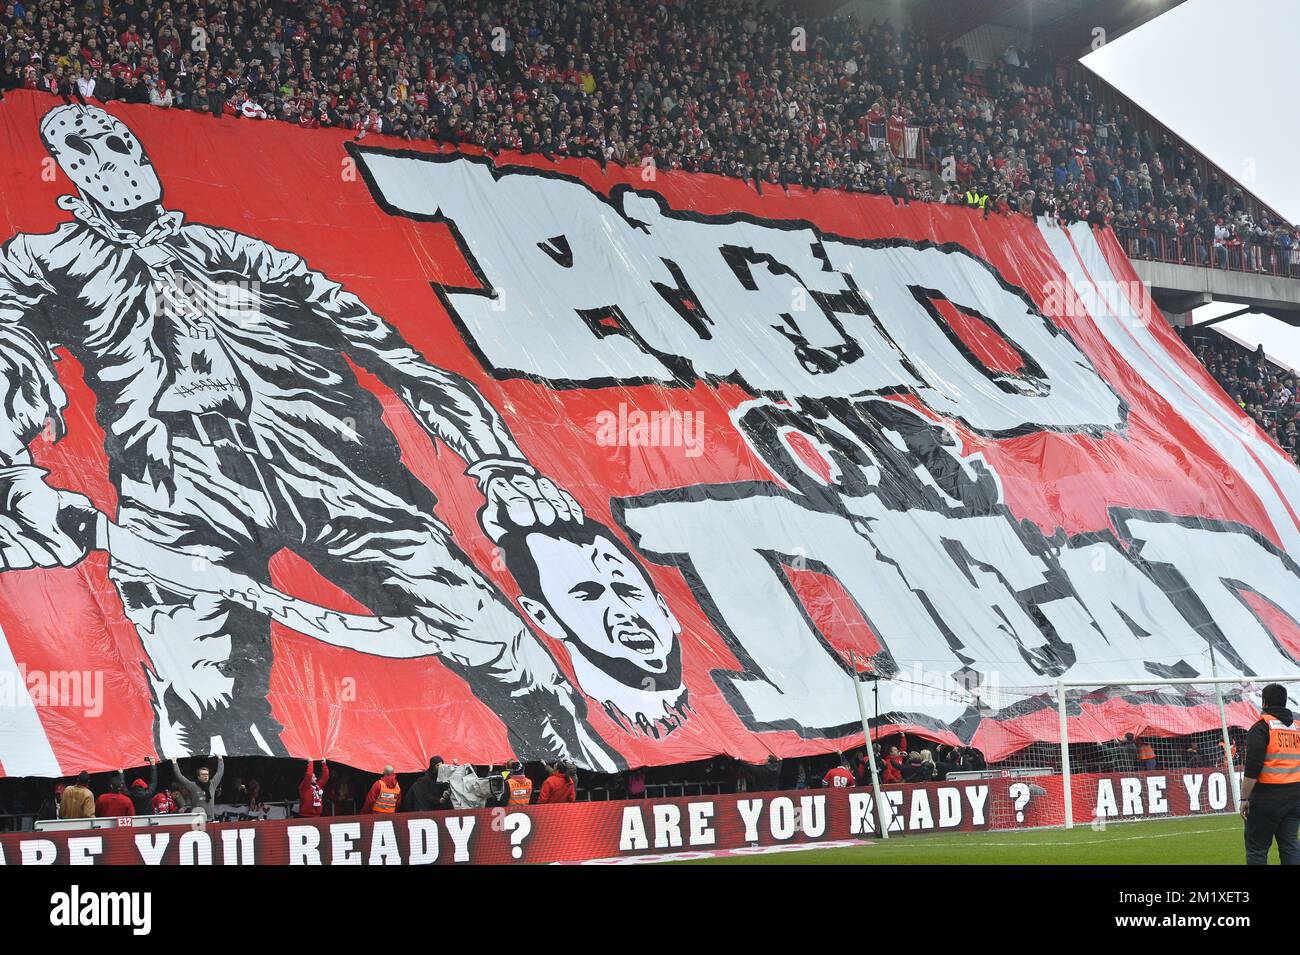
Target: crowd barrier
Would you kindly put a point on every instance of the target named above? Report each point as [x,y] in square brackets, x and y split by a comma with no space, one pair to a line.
[628,830]
[192,820]
[1259,257]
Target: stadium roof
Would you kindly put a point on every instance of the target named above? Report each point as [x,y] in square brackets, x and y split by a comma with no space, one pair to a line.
[1220,75]
[1065,26]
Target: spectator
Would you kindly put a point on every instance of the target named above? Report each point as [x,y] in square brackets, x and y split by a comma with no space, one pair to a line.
[142,792]
[800,775]
[1221,236]
[105,89]
[168,801]
[1225,752]
[636,784]
[77,801]
[893,766]
[160,95]
[254,805]
[559,786]
[839,776]
[311,791]
[765,776]
[932,770]
[901,189]
[1126,754]
[201,792]
[428,792]
[339,795]
[862,772]
[949,761]
[49,808]
[972,760]
[115,802]
[385,796]
[914,769]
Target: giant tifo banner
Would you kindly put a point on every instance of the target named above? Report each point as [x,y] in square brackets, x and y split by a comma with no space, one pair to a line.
[639,830]
[379,451]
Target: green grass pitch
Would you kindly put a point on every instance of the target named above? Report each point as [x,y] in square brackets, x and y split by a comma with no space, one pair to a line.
[1205,840]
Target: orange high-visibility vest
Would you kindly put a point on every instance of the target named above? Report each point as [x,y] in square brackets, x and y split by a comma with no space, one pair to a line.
[1145,751]
[387,798]
[1223,754]
[521,790]
[1282,759]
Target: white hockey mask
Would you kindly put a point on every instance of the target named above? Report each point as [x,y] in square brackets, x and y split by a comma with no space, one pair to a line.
[101,156]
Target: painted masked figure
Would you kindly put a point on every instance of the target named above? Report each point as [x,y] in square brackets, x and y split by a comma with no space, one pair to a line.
[234,427]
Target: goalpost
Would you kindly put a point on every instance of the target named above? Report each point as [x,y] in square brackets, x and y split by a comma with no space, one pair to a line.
[1200,722]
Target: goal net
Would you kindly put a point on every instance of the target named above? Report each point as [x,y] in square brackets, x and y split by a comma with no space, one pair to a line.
[1085,754]
[1163,748]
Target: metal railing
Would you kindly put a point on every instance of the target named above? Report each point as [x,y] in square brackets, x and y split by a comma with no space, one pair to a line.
[17,821]
[656,791]
[1236,255]
[194,819]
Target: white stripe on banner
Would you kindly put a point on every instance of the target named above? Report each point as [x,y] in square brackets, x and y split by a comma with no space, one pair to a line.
[24,747]
[1240,444]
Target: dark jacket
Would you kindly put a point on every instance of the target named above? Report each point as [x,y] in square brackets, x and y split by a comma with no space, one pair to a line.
[763,777]
[1257,747]
[141,797]
[917,772]
[425,794]
[972,760]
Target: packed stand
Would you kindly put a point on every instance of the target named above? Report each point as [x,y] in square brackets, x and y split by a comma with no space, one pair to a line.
[1262,389]
[734,88]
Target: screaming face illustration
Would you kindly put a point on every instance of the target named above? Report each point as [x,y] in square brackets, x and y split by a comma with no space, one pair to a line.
[581,586]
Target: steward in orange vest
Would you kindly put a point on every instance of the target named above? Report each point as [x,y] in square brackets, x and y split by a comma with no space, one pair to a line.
[1223,759]
[519,786]
[385,795]
[1270,791]
[1146,755]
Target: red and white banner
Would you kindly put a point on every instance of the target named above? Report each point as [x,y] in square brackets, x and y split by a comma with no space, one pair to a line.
[380,451]
[636,830]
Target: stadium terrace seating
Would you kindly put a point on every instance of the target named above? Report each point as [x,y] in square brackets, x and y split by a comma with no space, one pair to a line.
[1266,392]
[719,87]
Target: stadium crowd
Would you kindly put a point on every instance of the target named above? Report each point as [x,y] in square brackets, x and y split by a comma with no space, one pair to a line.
[1268,393]
[321,788]
[734,87]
